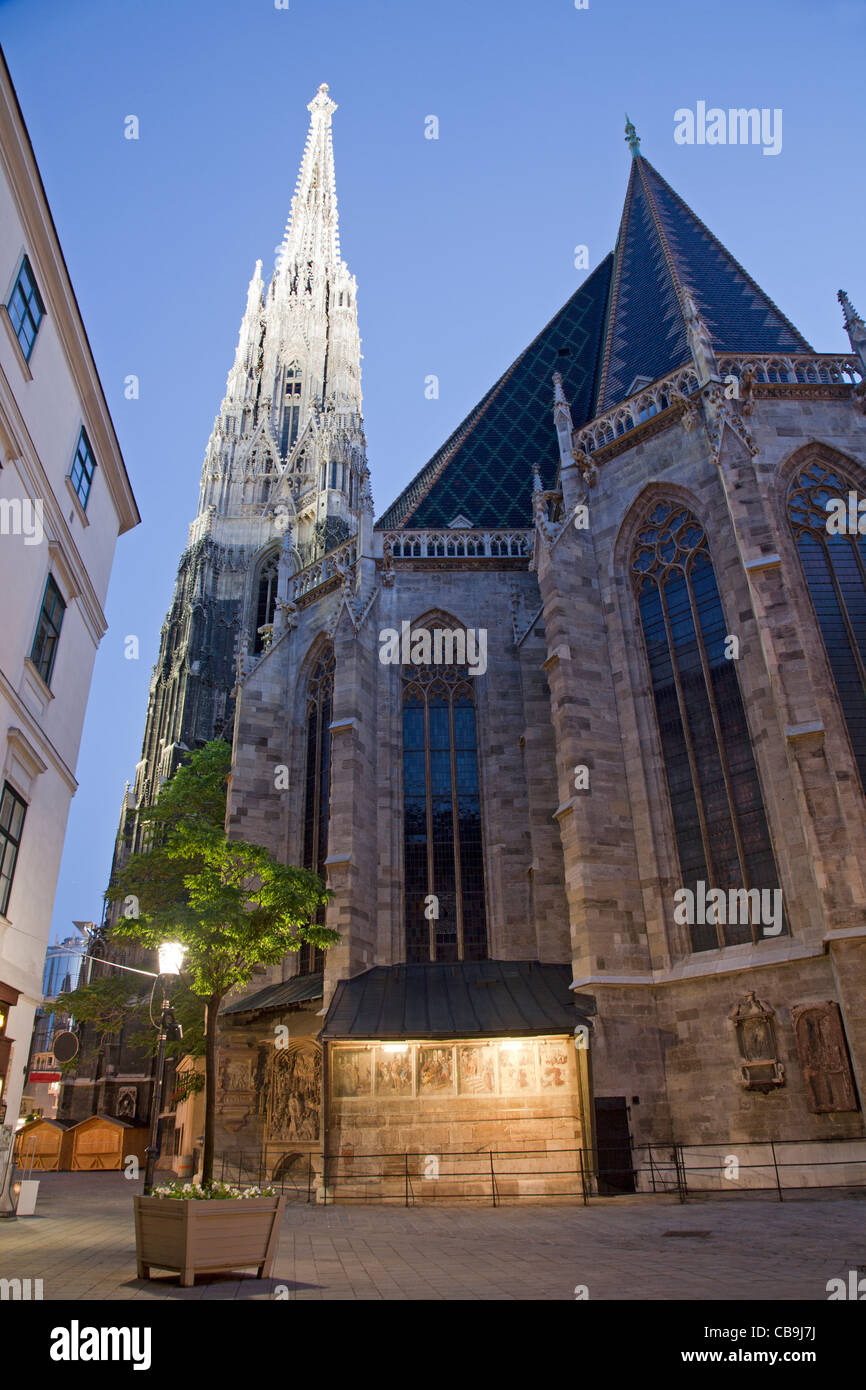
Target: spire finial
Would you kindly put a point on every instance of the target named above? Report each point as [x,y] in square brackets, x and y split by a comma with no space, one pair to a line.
[322,102]
[632,137]
[852,318]
[856,330]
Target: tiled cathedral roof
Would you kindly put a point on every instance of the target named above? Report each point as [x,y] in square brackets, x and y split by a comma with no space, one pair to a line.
[662,248]
[485,469]
[625,322]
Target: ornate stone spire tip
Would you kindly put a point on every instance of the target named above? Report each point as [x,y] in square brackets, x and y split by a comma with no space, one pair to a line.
[632,137]
[851,315]
[322,102]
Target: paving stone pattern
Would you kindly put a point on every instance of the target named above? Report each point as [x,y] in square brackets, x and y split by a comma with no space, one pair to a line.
[81,1244]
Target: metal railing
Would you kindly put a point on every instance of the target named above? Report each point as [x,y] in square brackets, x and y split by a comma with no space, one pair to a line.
[581,1174]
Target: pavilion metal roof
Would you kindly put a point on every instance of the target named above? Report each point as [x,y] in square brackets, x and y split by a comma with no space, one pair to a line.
[491,998]
[294,991]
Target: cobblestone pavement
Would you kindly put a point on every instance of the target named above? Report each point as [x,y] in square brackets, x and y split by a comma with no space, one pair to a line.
[81,1244]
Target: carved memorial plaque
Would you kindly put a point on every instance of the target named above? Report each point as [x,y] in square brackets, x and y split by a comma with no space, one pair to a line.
[823,1055]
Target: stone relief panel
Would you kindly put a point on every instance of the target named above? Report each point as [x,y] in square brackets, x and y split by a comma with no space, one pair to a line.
[291,1097]
[394,1073]
[352,1072]
[517,1070]
[435,1071]
[430,1070]
[127,1097]
[824,1060]
[476,1070]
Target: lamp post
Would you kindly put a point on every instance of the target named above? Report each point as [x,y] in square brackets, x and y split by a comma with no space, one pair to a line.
[171,956]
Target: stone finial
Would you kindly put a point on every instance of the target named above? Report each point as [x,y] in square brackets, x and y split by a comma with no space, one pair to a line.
[632,137]
[855,328]
[699,339]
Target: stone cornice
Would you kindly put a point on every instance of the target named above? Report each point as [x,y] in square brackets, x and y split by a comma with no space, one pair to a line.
[721,963]
[38,740]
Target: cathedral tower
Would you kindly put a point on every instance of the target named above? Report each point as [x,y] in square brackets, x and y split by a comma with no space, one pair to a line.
[284,477]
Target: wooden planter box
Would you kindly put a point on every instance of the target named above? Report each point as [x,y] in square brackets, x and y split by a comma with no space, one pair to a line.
[206,1237]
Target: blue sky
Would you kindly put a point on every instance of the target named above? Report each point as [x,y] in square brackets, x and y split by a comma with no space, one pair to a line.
[463,247]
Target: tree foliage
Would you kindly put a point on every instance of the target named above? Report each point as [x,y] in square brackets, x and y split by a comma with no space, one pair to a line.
[230,904]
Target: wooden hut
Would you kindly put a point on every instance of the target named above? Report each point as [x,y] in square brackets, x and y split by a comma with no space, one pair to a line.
[44,1146]
[103,1142]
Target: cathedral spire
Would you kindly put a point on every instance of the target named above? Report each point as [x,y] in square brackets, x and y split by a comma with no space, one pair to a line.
[312,234]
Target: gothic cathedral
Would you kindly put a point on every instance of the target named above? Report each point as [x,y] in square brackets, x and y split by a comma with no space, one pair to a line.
[575,731]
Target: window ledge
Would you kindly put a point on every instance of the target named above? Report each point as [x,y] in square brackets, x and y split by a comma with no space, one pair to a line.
[13,338]
[32,670]
[76,500]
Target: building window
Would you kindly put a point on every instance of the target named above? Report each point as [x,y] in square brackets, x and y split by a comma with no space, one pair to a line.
[722,835]
[266,600]
[26,309]
[442,841]
[12,813]
[83,469]
[48,631]
[835,570]
[317,788]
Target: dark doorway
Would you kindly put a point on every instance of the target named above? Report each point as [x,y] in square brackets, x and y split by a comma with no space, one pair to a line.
[613,1143]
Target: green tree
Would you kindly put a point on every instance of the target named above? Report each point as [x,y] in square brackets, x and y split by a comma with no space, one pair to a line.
[231,904]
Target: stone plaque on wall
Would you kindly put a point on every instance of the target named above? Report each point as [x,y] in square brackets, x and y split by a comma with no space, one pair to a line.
[823,1055]
[761,1069]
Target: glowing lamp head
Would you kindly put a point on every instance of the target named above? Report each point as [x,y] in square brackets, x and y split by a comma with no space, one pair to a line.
[171,955]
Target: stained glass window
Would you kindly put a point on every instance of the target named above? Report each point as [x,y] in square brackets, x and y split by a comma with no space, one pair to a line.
[720,826]
[442,838]
[317,788]
[835,570]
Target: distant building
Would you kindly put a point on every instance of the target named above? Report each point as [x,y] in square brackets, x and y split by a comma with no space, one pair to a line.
[63,967]
[64,500]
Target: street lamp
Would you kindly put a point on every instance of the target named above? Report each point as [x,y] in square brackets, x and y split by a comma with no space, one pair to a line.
[170,955]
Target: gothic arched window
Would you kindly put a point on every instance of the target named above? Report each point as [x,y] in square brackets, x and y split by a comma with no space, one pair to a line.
[442,841]
[317,786]
[835,569]
[291,409]
[721,830]
[266,600]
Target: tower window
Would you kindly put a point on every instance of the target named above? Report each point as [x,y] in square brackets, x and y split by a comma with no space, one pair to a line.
[266,599]
[835,570]
[317,789]
[442,838]
[721,830]
[291,410]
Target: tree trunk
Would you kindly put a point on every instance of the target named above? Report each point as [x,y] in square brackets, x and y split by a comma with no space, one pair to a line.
[210,1064]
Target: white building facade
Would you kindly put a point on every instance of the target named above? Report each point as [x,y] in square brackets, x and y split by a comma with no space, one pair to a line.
[64,499]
